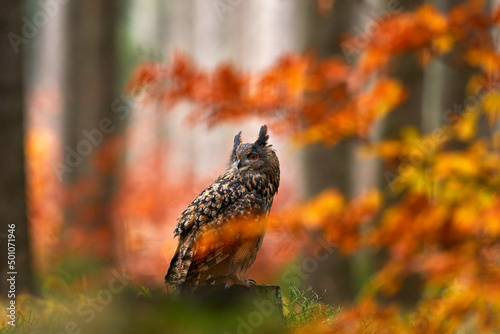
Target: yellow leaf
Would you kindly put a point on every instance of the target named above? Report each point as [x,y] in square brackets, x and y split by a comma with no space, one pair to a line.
[475,84]
[465,218]
[432,18]
[487,59]
[443,43]
[326,204]
[491,105]
[390,93]
[466,128]
[454,164]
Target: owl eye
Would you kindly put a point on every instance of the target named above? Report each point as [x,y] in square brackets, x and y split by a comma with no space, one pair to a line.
[235,157]
[253,156]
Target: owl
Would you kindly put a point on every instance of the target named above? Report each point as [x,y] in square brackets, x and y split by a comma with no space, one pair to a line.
[221,231]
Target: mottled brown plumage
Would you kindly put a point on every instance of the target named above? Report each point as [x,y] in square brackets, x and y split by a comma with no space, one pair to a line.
[221,231]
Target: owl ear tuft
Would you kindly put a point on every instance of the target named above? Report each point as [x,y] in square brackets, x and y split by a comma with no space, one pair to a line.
[263,136]
[237,142]
[237,139]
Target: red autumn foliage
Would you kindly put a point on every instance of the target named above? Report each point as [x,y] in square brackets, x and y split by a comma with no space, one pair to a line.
[297,90]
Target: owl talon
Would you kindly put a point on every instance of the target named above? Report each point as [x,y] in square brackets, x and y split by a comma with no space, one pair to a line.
[251,282]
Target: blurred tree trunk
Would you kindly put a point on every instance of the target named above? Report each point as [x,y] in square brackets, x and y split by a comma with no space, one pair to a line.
[340,166]
[410,113]
[12,175]
[326,167]
[411,74]
[432,91]
[93,117]
[444,83]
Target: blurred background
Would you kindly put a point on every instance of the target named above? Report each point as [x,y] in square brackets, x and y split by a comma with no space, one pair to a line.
[108,167]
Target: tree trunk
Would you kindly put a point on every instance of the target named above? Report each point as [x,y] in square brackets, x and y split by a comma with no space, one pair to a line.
[327,167]
[259,306]
[94,113]
[12,176]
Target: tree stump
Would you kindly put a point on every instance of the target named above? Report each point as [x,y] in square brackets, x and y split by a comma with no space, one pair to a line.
[255,309]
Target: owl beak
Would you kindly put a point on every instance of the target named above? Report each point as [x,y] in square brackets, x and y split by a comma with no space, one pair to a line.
[238,164]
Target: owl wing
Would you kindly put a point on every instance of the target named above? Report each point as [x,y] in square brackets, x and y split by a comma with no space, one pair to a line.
[234,233]
[224,191]
[210,227]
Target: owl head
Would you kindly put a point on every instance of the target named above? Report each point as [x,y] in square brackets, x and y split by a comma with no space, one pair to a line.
[257,157]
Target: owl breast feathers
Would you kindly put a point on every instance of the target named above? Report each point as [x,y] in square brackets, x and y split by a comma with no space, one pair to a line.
[221,231]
